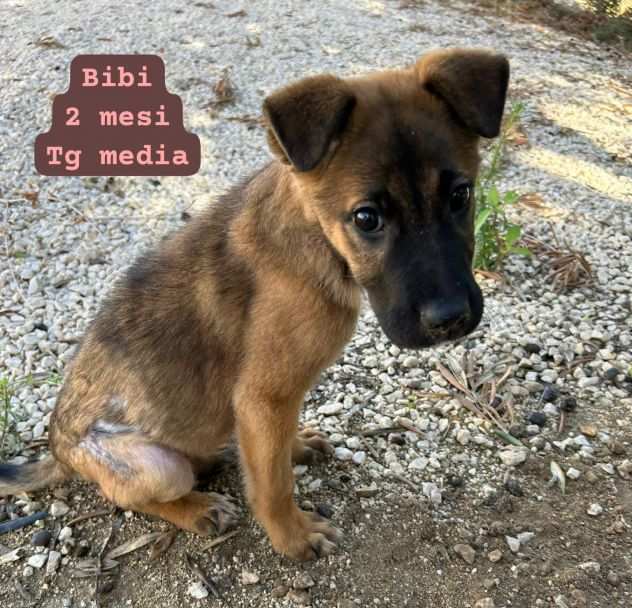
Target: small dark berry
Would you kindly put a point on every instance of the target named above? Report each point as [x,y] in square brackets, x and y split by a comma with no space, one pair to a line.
[538,418]
[611,374]
[514,488]
[325,510]
[550,394]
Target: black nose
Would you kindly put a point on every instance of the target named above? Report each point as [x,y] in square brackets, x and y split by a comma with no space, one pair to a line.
[446,315]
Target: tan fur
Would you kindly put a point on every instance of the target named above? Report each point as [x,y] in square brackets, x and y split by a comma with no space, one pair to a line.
[219,332]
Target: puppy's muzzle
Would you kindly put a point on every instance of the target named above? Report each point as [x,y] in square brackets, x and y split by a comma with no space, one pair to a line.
[446,319]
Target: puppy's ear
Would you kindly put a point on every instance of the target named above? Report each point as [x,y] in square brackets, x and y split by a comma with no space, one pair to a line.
[472,82]
[305,118]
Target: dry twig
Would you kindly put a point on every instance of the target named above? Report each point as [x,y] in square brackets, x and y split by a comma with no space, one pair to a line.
[478,390]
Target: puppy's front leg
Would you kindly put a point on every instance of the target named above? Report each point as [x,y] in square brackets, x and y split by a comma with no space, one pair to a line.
[266,431]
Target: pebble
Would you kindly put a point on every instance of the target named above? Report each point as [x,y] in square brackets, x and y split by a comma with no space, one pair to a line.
[197,590]
[513,487]
[279,591]
[538,418]
[359,458]
[513,456]
[418,464]
[299,596]
[513,543]
[595,509]
[249,578]
[495,556]
[37,561]
[592,566]
[616,447]
[354,443]
[625,469]
[463,436]
[54,558]
[64,534]
[330,409]
[525,537]
[303,581]
[343,453]
[410,361]
[58,509]
[367,491]
[486,602]
[431,491]
[550,394]
[465,552]
[325,510]
[41,538]
[573,473]
[613,578]
[588,429]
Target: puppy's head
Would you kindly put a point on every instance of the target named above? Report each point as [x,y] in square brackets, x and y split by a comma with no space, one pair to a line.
[387,163]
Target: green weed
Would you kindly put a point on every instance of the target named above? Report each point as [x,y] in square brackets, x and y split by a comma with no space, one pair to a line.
[496,236]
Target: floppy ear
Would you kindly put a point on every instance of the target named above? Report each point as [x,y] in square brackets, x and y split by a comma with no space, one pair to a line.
[472,82]
[306,117]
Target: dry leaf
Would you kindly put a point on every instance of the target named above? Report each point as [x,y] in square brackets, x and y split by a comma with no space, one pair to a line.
[224,90]
[532,199]
[49,42]
[31,196]
[133,545]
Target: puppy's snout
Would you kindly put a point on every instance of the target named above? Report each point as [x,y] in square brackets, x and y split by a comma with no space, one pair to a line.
[446,316]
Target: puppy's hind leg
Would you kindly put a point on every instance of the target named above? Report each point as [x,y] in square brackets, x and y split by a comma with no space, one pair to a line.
[136,473]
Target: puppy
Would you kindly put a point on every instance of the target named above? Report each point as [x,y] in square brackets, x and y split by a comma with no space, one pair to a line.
[218,333]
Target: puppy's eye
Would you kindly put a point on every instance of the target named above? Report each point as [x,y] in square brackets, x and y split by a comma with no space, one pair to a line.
[368,219]
[460,198]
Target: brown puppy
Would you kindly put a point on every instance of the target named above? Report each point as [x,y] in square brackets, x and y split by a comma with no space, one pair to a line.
[220,331]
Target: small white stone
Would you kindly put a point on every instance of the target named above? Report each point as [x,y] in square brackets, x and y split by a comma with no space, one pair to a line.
[513,543]
[65,533]
[354,443]
[591,566]
[54,557]
[359,457]
[39,429]
[513,456]
[59,509]
[315,485]
[573,473]
[595,509]
[525,537]
[330,409]
[418,464]
[410,361]
[607,467]
[300,470]
[249,578]
[38,560]
[343,453]
[463,436]
[198,590]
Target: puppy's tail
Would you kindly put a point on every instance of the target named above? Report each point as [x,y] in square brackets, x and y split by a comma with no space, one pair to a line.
[31,476]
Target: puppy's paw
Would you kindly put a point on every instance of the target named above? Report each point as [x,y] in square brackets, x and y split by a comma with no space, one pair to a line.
[310,446]
[309,538]
[217,515]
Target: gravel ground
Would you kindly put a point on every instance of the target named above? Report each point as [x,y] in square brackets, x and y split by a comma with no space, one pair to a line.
[437,511]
